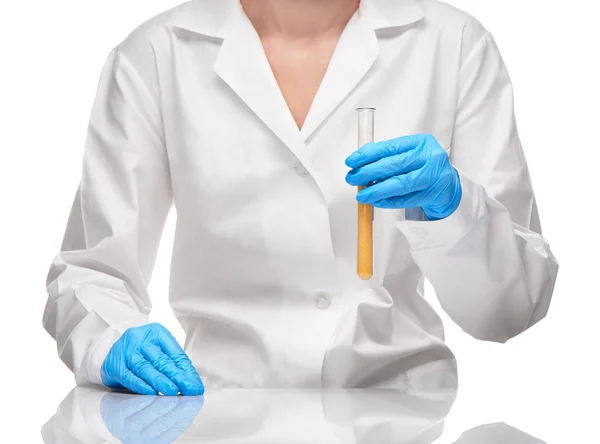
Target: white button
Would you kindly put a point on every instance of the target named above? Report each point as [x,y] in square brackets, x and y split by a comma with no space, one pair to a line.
[301,170]
[323,301]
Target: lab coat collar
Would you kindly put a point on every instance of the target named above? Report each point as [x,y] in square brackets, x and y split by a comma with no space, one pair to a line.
[243,66]
[384,14]
[205,17]
[209,17]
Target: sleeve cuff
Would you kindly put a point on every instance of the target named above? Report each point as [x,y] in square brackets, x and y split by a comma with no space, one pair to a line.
[89,373]
[423,233]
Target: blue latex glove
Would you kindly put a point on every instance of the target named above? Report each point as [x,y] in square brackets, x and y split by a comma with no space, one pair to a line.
[148,360]
[407,172]
[149,420]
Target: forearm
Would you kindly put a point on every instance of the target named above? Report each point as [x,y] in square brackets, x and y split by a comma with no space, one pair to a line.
[492,276]
[87,310]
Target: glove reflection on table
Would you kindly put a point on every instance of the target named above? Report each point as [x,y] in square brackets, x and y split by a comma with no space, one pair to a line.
[149,419]
[258,416]
[148,360]
[408,172]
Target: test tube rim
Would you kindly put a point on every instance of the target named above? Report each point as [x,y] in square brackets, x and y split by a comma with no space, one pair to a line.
[366,108]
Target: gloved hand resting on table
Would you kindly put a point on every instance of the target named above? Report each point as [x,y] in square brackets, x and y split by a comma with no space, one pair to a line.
[407,172]
[148,360]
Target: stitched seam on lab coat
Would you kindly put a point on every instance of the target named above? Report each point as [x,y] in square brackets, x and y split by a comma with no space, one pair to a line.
[95,343]
[163,154]
[146,91]
[76,333]
[157,103]
[483,42]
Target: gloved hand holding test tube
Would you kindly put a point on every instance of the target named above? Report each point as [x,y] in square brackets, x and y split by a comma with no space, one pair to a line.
[407,172]
[366,130]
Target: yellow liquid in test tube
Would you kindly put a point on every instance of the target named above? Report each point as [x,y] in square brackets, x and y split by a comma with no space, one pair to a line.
[364,260]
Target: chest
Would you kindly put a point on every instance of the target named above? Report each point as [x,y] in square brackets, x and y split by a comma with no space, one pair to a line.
[246,178]
[229,132]
[299,68]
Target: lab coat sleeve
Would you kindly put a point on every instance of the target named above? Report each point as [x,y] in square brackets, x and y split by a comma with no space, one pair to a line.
[492,269]
[97,285]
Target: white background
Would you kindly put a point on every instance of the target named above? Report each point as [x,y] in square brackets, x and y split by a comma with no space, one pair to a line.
[544,382]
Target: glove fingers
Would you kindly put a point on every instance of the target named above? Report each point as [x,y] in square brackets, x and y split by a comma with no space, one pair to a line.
[188,382]
[173,350]
[169,345]
[146,371]
[134,383]
[419,198]
[411,200]
[385,168]
[371,152]
[394,187]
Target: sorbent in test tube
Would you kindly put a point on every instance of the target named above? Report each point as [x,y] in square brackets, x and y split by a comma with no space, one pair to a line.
[364,262]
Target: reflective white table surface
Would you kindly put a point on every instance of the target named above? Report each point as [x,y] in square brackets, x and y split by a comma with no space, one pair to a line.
[411,414]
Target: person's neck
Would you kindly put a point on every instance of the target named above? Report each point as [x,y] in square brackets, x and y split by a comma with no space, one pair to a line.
[299,19]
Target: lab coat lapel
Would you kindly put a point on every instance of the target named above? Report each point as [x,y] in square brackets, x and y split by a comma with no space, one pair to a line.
[355,54]
[243,65]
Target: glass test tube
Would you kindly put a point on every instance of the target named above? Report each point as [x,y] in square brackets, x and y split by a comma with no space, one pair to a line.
[364,262]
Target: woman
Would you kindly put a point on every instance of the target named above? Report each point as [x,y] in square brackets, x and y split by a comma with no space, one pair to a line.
[241,115]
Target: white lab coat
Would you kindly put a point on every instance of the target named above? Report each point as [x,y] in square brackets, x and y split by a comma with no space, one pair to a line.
[263,277]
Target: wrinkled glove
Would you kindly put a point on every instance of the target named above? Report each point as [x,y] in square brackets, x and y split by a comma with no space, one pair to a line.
[408,172]
[148,360]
